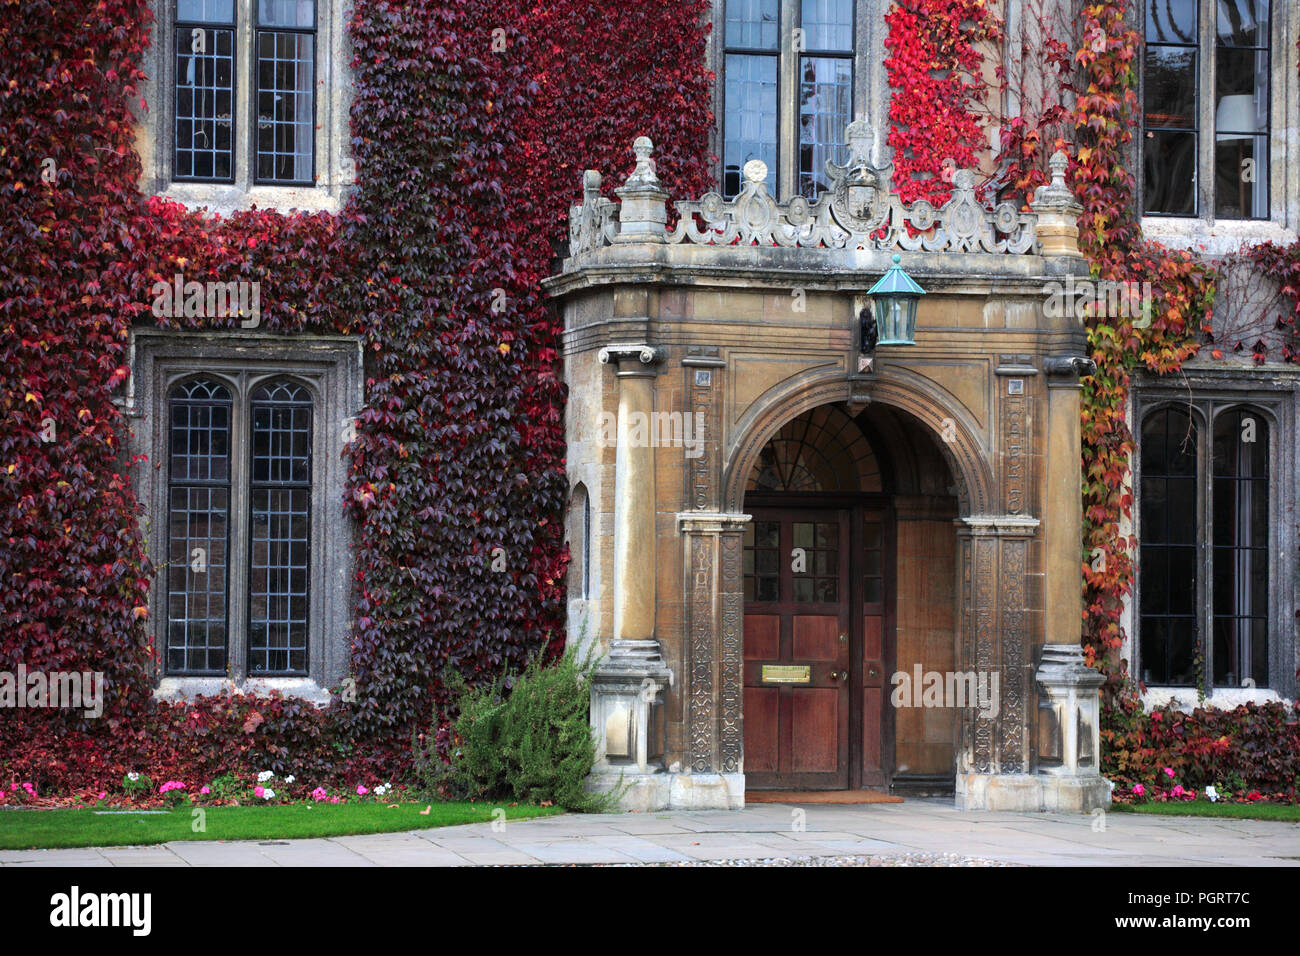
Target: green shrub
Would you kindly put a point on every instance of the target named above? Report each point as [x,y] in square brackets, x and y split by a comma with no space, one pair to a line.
[528,742]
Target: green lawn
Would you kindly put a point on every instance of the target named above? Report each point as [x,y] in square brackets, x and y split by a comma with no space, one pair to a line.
[1204,808]
[45,829]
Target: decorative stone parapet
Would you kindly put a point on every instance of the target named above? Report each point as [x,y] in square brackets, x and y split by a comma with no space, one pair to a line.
[859,211]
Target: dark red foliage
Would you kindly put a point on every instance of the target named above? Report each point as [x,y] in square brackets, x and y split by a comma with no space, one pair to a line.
[467,159]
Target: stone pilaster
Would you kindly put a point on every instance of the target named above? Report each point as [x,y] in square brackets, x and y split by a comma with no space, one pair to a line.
[1068,743]
[627,687]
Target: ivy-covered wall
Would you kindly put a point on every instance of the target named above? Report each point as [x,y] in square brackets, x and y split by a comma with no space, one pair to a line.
[467,156]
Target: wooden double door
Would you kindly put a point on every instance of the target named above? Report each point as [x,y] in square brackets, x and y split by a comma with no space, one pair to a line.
[818,588]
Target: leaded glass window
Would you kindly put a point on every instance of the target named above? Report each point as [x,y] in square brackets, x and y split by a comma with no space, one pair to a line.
[198,523]
[210,140]
[787,91]
[205,90]
[253,508]
[1206,80]
[279,530]
[1204,504]
[286,55]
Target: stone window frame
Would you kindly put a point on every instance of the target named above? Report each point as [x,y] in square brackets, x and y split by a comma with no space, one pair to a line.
[332,368]
[1205,393]
[335,169]
[870,90]
[1204,232]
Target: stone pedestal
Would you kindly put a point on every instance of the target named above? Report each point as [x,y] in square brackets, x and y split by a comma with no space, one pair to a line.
[1069,741]
[626,696]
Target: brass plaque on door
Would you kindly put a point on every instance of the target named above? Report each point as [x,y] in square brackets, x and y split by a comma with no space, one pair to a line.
[787,674]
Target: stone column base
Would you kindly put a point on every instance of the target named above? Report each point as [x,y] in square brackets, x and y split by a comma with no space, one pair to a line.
[1042,792]
[663,790]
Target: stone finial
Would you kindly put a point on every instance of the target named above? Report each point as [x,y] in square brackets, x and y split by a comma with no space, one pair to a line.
[643,174]
[1057,211]
[643,211]
[1055,194]
[755,171]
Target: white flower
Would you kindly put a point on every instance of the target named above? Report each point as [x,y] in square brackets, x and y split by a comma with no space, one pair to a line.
[289,779]
[1212,793]
[133,776]
[268,793]
[264,776]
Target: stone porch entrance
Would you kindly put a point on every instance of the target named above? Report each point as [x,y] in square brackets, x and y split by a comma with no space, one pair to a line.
[688,351]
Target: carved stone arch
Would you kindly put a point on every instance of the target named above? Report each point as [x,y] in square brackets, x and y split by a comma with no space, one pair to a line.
[965,453]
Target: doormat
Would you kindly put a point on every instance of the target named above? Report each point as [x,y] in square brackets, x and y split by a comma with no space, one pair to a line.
[820,796]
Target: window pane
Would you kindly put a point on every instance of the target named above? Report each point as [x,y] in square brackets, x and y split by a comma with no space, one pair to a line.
[1171,21]
[827,25]
[749,124]
[285,110]
[198,515]
[1170,87]
[762,560]
[205,93]
[1241,177]
[1241,127]
[825,107]
[279,529]
[205,11]
[1243,22]
[1169,168]
[1240,546]
[752,24]
[286,13]
[1167,568]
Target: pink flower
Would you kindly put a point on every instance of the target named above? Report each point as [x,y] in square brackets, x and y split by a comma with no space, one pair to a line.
[334,799]
[259,790]
[1169,772]
[102,795]
[1139,790]
[204,790]
[361,790]
[319,794]
[1178,791]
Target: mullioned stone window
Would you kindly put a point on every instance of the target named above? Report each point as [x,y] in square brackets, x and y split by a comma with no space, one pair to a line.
[248,104]
[242,499]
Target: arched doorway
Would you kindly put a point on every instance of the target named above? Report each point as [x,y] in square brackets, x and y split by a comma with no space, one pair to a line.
[834,606]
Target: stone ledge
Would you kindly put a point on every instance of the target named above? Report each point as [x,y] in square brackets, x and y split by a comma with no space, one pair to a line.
[1032,793]
[662,790]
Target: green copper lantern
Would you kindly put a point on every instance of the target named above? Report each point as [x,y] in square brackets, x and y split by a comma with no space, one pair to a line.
[896,297]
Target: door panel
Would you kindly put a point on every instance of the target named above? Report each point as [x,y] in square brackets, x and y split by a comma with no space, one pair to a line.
[815,730]
[797,679]
[818,638]
[761,729]
[816,650]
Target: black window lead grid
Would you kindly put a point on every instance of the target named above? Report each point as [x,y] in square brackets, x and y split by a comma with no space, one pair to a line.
[284,90]
[198,501]
[279,538]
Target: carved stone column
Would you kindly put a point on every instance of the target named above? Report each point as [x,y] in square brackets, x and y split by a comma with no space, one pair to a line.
[634,493]
[628,686]
[1068,744]
[713,777]
[992,582]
